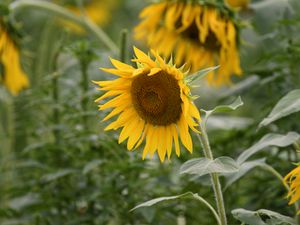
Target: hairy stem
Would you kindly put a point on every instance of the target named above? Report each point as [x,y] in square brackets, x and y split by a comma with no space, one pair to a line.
[66,14]
[214,176]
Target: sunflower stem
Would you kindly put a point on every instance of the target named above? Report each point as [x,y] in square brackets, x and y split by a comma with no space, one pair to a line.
[7,137]
[66,14]
[85,88]
[123,45]
[214,176]
[56,113]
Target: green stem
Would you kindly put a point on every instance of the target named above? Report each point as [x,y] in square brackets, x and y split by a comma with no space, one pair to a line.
[56,114]
[85,88]
[123,45]
[214,176]
[66,14]
[209,206]
[7,150]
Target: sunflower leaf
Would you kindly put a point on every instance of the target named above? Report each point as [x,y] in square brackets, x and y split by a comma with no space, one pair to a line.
[91,165]
[224,108]
[289,104]
[203,166]
[269,140]
[262,217]
[160,199]
[244,168]
[59,174]
[192,79]
[187,194]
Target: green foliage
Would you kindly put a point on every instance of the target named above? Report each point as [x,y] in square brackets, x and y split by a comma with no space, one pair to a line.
[262,217]
[287,105]
[203,166]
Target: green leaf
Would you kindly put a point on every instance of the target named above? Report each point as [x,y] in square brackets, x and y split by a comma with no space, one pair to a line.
[91,165]
[262,217]
[244,168]
[187,194]
[224,108]
[161,199]
[54,176]
[289,104]
[269,140]
[22,202]
[192,79]
[203,166]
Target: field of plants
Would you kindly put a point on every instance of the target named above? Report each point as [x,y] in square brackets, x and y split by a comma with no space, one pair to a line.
[140,112]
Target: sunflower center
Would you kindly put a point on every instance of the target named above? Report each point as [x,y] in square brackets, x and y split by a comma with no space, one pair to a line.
[211,41]
[157,98]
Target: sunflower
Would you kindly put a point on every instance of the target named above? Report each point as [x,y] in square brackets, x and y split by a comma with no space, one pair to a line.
[11,73]
[154,104]
[199,35]
[98,11]
[238,4]
[293,180]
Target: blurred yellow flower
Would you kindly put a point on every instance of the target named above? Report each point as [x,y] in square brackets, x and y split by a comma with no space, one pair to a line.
[154,104]
[11,74]
[293,180]
[238,4]
[98,11]
[199,36]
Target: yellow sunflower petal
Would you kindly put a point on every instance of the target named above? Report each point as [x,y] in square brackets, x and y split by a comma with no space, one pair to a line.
[151,108]
[142,56]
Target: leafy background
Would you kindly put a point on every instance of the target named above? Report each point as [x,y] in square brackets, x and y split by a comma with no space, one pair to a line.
[57,166]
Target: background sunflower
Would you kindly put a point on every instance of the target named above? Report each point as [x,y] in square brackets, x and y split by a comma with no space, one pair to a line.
[199,35]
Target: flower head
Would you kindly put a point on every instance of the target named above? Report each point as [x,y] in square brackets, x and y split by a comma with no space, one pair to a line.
[199,35]
[153,103]
[98,11]
[238,4]
[13,77]
[293,180]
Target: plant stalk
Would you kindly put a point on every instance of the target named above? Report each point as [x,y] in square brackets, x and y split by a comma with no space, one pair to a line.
[214,176]
[66,14]
[123,45]
[56,113]
[85,88]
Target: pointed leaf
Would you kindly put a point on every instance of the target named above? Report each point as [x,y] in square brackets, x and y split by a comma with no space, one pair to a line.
[224,108]
[269,140]
[187,194]
[262,217]
[160,199]
[24,201]
[287,105]
[244,169]
[192,79]
[91,165]
[203,166]
[54,176]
